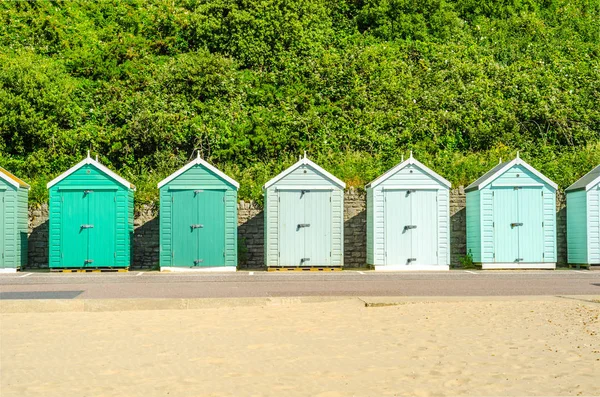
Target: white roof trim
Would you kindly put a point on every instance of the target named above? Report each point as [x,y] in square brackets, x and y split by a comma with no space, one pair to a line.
[199,161]
[301,162]
[9,180]
[592,184]
[516,161]
[410,161]
[90,161]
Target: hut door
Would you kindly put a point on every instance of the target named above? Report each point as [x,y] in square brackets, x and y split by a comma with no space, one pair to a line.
[506,234]
[102,221]
[317,236]
[75,228]
[185,232]
[2,236]
[292,228]
[211,228]
[398,237]
[530,228]
[424,213]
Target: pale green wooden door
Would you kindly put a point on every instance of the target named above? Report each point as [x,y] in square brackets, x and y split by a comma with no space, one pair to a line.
[398,231]
[186,232]
[102,207]
[530,224]
[291,227]
[506,234]
[2,228]
[424,215]
[317,230]
[211,233]
[75,229]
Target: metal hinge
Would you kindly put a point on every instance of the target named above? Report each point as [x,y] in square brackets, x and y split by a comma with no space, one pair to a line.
[223,198]
[172,199]
[493,194]
[223,253]
[115,254]
[542,224]
[543,254]
[493,224]
[172,254]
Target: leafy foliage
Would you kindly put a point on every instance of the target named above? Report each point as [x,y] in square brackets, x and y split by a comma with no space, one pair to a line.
[252,84]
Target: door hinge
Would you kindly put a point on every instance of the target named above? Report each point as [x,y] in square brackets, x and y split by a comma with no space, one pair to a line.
[279,199]
[493,194]
[223,198]
[223,253]
[279,254]
[172,199]
[115,254]
[542,224]
[543,254]
[329,253]
[172,254]
[493,224]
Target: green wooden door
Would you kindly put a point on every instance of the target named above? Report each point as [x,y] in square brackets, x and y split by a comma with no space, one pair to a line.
[211,234]
[317,230]
[75,229]
[2,228]
[185,232]
[102,220]
[424,215]
[398,236]
[530,224]
[291,227]
[506,235]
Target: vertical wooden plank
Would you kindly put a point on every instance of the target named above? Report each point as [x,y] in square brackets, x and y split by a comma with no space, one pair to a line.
[506,237]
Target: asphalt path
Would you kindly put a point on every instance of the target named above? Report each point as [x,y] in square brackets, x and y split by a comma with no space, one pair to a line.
[34,285]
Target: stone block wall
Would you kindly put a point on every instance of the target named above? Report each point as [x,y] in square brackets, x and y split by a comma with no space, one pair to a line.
[146,246]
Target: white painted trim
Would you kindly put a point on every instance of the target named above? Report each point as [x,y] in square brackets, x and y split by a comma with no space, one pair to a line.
[325,188]
[517,184]
[177,269]
[410,161]
[8,270]
[593,183]
[299,163]
[516,161]
[412,187]
[90,161]
[517,266]
[9,180]
[411,268]
[199,161]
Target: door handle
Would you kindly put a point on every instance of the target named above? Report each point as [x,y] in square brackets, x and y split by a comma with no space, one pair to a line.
[304,260]
[87,226]
[519,260]
[88,261]
[412,260]
[516,224]
[198,261]
[88,191]
[408,227]
[303,225]
[197,226]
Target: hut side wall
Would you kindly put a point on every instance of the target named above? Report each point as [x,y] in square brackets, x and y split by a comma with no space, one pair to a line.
[594,225]
[474,225]
[10,225]
[22,224]
[370,228]
[577,236]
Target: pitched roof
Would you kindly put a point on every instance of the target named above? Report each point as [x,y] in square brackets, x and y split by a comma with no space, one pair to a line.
[299,163]
[587,181]
[90,161]
[410,161]
[500,169]
[199,161]
[13,180]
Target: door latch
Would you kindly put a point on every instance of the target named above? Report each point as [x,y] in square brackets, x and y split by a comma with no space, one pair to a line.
[515,224]
[88,261]
[197,261]
[411,260]
[519,260]
[197,226]
[303,225]
[408,227]
[88,191]
[304,260]
[87,226]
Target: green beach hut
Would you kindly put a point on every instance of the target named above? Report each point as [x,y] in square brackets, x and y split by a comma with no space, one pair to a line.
[13,222]
[583,220]
[511,218]
[91,218]
[408,219]
[304,218]
[198,219]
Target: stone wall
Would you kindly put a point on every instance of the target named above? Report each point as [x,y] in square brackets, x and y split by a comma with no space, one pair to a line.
[146,245]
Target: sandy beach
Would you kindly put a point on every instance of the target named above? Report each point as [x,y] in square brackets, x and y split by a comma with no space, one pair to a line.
[488,347]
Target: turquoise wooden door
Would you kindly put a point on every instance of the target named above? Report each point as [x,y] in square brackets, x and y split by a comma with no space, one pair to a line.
[211,233]
[75,229]
[102,228]
[2,228]
[291,227]
[424,215]
[398,237]
[506,235]
[317,229]
[530,224]
[185,233]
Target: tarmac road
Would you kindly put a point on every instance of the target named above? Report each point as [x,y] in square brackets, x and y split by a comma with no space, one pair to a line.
[37,285]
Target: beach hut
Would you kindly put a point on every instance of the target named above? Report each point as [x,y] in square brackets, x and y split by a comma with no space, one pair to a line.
[408,219]
[13,222]
[198,219]
[91,218]
[304,218]
[583,220]
[511,218]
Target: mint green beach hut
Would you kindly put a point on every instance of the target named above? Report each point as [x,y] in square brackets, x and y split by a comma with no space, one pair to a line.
[583,220]
[13,222]
[304,218]
[198,219]
[408,219]
[91,218]
[511,218]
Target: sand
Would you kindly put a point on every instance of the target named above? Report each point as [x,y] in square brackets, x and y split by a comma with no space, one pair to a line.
[493,347]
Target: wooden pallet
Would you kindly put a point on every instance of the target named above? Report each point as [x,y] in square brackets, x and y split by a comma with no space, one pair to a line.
[304,269]
[98,270]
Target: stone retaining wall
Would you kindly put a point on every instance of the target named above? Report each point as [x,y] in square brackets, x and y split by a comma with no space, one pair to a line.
[251,232]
